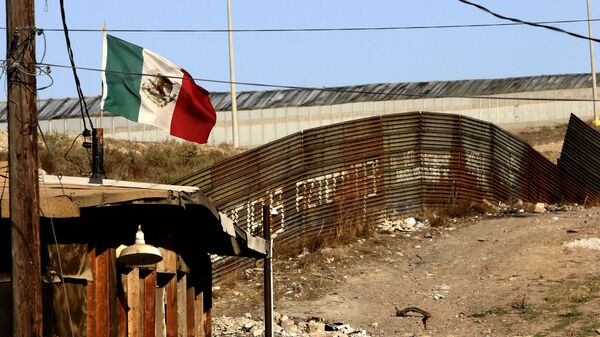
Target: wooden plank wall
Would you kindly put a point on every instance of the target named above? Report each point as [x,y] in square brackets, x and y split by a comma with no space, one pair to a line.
[144,302]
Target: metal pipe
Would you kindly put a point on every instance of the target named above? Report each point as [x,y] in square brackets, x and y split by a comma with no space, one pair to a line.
[268,272]
[97,156]
[232,78]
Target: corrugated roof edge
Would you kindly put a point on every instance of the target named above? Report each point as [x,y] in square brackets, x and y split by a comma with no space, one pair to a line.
[51,179]
[251,100]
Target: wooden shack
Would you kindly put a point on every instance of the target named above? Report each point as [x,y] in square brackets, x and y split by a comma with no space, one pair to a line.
[88,292]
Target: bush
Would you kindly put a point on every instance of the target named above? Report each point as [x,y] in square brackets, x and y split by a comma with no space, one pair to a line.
[160,162]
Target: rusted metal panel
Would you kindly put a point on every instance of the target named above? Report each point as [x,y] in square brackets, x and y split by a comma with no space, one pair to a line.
[376,169]
[578,156]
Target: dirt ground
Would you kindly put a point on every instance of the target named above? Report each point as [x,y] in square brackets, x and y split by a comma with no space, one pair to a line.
[505,276]
[485,275]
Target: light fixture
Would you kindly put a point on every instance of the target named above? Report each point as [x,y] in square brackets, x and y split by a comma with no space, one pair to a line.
[140,253]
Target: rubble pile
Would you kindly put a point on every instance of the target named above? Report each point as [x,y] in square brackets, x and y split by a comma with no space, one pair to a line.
[413,224]
[283,326]
[407,225]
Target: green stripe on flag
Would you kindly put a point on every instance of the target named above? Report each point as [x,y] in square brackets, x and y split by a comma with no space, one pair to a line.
[124,62]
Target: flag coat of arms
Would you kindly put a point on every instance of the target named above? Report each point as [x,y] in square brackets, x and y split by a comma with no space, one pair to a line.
[145,87]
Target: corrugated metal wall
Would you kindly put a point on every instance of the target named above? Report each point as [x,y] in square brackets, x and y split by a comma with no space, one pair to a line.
[579,155]
[374,169]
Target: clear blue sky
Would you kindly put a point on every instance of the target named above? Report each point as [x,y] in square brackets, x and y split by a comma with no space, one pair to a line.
[320,58]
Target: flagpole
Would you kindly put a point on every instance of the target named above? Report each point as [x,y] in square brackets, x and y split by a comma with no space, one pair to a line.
[102,87]
[232,79]
[595,122]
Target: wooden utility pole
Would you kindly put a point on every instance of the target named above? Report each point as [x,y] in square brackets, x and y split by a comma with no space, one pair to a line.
[23,169]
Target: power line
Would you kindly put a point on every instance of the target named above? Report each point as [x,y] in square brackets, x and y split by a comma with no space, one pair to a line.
[535,24]
[82,103]
[317,29]
[332,89]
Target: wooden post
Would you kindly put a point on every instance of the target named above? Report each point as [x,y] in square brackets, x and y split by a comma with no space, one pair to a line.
[101,281]
[171,308]
[91,295]
[23,168]
[150,304]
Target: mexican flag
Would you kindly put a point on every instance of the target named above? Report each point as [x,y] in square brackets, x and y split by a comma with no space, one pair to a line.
[147,88]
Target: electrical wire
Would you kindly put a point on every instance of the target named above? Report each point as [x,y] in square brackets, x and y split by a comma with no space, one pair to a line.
[82,103]
[60,267]
[337,89]
[540,25]
[317,29]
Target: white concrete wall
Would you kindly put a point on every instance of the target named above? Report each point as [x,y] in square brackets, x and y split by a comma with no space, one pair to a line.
[260,126]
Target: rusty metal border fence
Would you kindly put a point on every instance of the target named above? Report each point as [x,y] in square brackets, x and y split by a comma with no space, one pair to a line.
[579,156]
[374,170]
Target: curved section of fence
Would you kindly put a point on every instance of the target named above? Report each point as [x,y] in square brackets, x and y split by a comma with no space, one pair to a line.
[376,169]
[579,154]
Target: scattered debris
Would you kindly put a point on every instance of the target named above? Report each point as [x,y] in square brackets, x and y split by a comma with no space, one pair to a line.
[404,313]
[409,224]
[540,207]
[284,326]
[589,243]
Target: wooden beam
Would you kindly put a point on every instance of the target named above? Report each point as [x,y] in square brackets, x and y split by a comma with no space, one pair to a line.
[161,329]
[122,306]
[102,294]
[207,323]
[181,305]
[91,295]
[191,324]
[113,280]
[171,307]
[149,304]
[199,314]
[168,263]
[134,328]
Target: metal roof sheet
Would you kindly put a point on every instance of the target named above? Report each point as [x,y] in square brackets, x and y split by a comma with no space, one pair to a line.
[64,197]
[252,100]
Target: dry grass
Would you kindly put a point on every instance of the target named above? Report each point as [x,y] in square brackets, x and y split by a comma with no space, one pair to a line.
[161,162]
[347,229]
[577,294]
[439,217]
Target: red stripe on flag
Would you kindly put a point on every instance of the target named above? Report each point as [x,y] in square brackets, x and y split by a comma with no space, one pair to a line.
[194,115]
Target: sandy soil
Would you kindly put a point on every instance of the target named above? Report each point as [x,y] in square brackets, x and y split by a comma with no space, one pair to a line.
[508,276]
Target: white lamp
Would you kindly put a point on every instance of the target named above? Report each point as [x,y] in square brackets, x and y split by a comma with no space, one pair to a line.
[140,253]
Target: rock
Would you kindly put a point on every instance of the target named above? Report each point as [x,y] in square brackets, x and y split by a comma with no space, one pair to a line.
[249,326]
[288,325]
[410,222]
[248,315]
[540,207]
[257,332]
[491,205]
[315,326]
[440,297]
